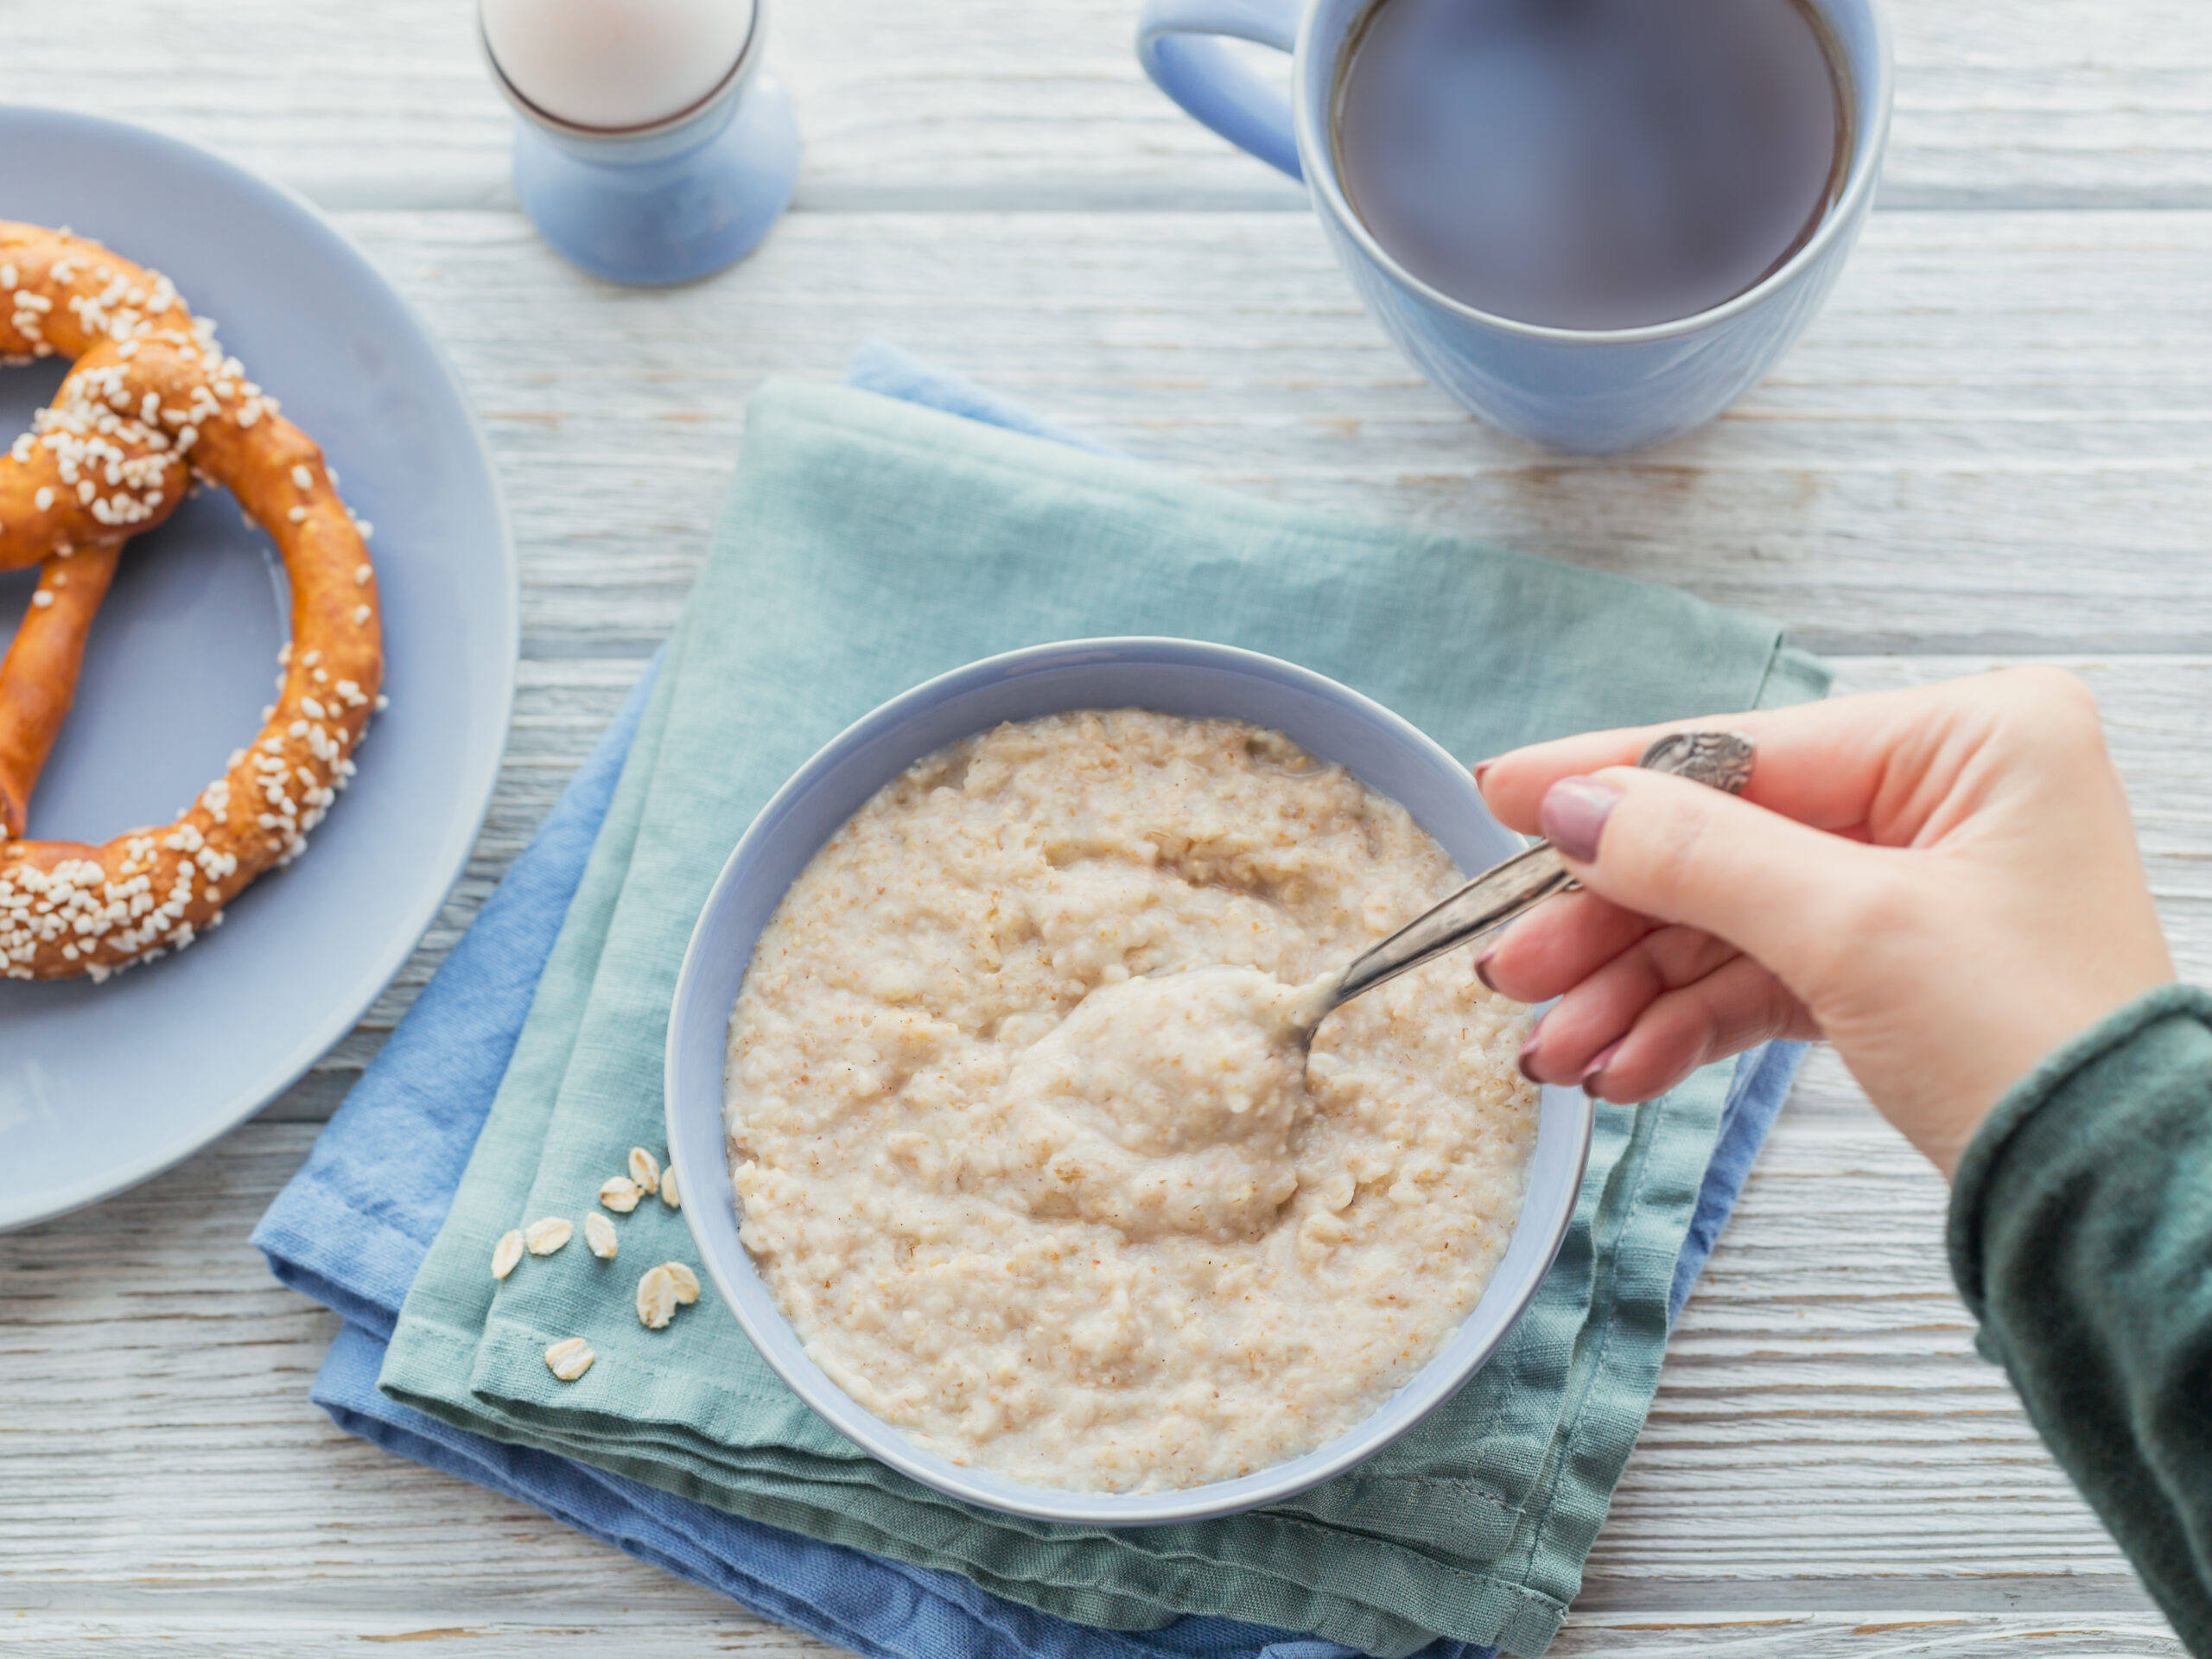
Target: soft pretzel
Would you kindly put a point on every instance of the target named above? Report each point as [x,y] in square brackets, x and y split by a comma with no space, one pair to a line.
[152,407]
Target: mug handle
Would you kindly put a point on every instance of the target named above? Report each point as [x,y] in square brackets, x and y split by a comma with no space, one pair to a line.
[1179,46]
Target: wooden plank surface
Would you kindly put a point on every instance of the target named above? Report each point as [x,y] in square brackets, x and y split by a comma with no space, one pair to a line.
[1010,103]
[1993,438]
[704,1631]
[1992,447]
[707,1630]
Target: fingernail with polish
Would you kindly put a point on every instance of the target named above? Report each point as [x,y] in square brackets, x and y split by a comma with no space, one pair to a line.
[1482,969]
[1528,1061]
[1600,1060]
[1573,814]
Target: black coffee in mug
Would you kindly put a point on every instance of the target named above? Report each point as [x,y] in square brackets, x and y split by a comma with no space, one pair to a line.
[1592,165]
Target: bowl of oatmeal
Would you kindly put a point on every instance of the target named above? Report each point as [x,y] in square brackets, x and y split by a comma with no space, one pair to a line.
[1001,1136]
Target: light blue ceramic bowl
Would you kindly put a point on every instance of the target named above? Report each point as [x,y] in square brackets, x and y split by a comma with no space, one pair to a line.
[1178,677]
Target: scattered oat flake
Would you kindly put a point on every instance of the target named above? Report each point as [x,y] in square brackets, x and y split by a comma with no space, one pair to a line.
[619,1194]
[669,1195]
[569,1358]
[548,1235]
[686,1281]
[506,1253]
[599,1233]
[645,1169]
[657,1299]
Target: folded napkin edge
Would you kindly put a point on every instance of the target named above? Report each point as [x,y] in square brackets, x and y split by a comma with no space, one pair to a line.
[502,1337]
[1371,1626]
[917,428]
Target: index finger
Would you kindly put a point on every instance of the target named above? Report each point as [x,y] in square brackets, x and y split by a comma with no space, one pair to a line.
[1830,764]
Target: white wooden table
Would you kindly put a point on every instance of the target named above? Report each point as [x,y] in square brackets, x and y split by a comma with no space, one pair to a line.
[1995,445]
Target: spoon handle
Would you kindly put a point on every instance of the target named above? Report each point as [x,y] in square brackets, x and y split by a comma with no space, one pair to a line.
[1720,760]
[1490,901]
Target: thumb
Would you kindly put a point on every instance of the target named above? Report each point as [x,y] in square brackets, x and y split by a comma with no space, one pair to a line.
[1664,846]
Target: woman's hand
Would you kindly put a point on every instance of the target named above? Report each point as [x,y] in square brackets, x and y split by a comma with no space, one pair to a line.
[1943,883]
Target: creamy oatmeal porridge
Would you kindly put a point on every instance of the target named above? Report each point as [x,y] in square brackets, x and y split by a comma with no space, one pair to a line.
[1019,1124]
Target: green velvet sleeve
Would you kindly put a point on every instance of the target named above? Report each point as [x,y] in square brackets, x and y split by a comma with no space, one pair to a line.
[2080,1236]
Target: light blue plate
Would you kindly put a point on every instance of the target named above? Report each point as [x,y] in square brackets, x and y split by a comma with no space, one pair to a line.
[102,1086]
[1176,676]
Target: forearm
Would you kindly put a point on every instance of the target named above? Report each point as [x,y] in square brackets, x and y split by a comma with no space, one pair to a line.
[2080,1235]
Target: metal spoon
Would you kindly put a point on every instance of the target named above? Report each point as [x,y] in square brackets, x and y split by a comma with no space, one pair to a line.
[1721,760]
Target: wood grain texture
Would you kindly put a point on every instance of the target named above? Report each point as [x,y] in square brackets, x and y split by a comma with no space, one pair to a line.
[671,1633]
[1992,445]
[1992,439]
[1823,1442]
[1000,103]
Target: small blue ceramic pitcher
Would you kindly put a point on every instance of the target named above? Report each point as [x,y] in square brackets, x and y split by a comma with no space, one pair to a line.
[1591,392]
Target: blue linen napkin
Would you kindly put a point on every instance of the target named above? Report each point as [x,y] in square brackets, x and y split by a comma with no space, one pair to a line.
[351,1229]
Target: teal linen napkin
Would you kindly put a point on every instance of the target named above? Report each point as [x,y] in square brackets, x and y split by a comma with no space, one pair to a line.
[866,546]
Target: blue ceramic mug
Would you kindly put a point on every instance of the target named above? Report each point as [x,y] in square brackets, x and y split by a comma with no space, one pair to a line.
[1593,391]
